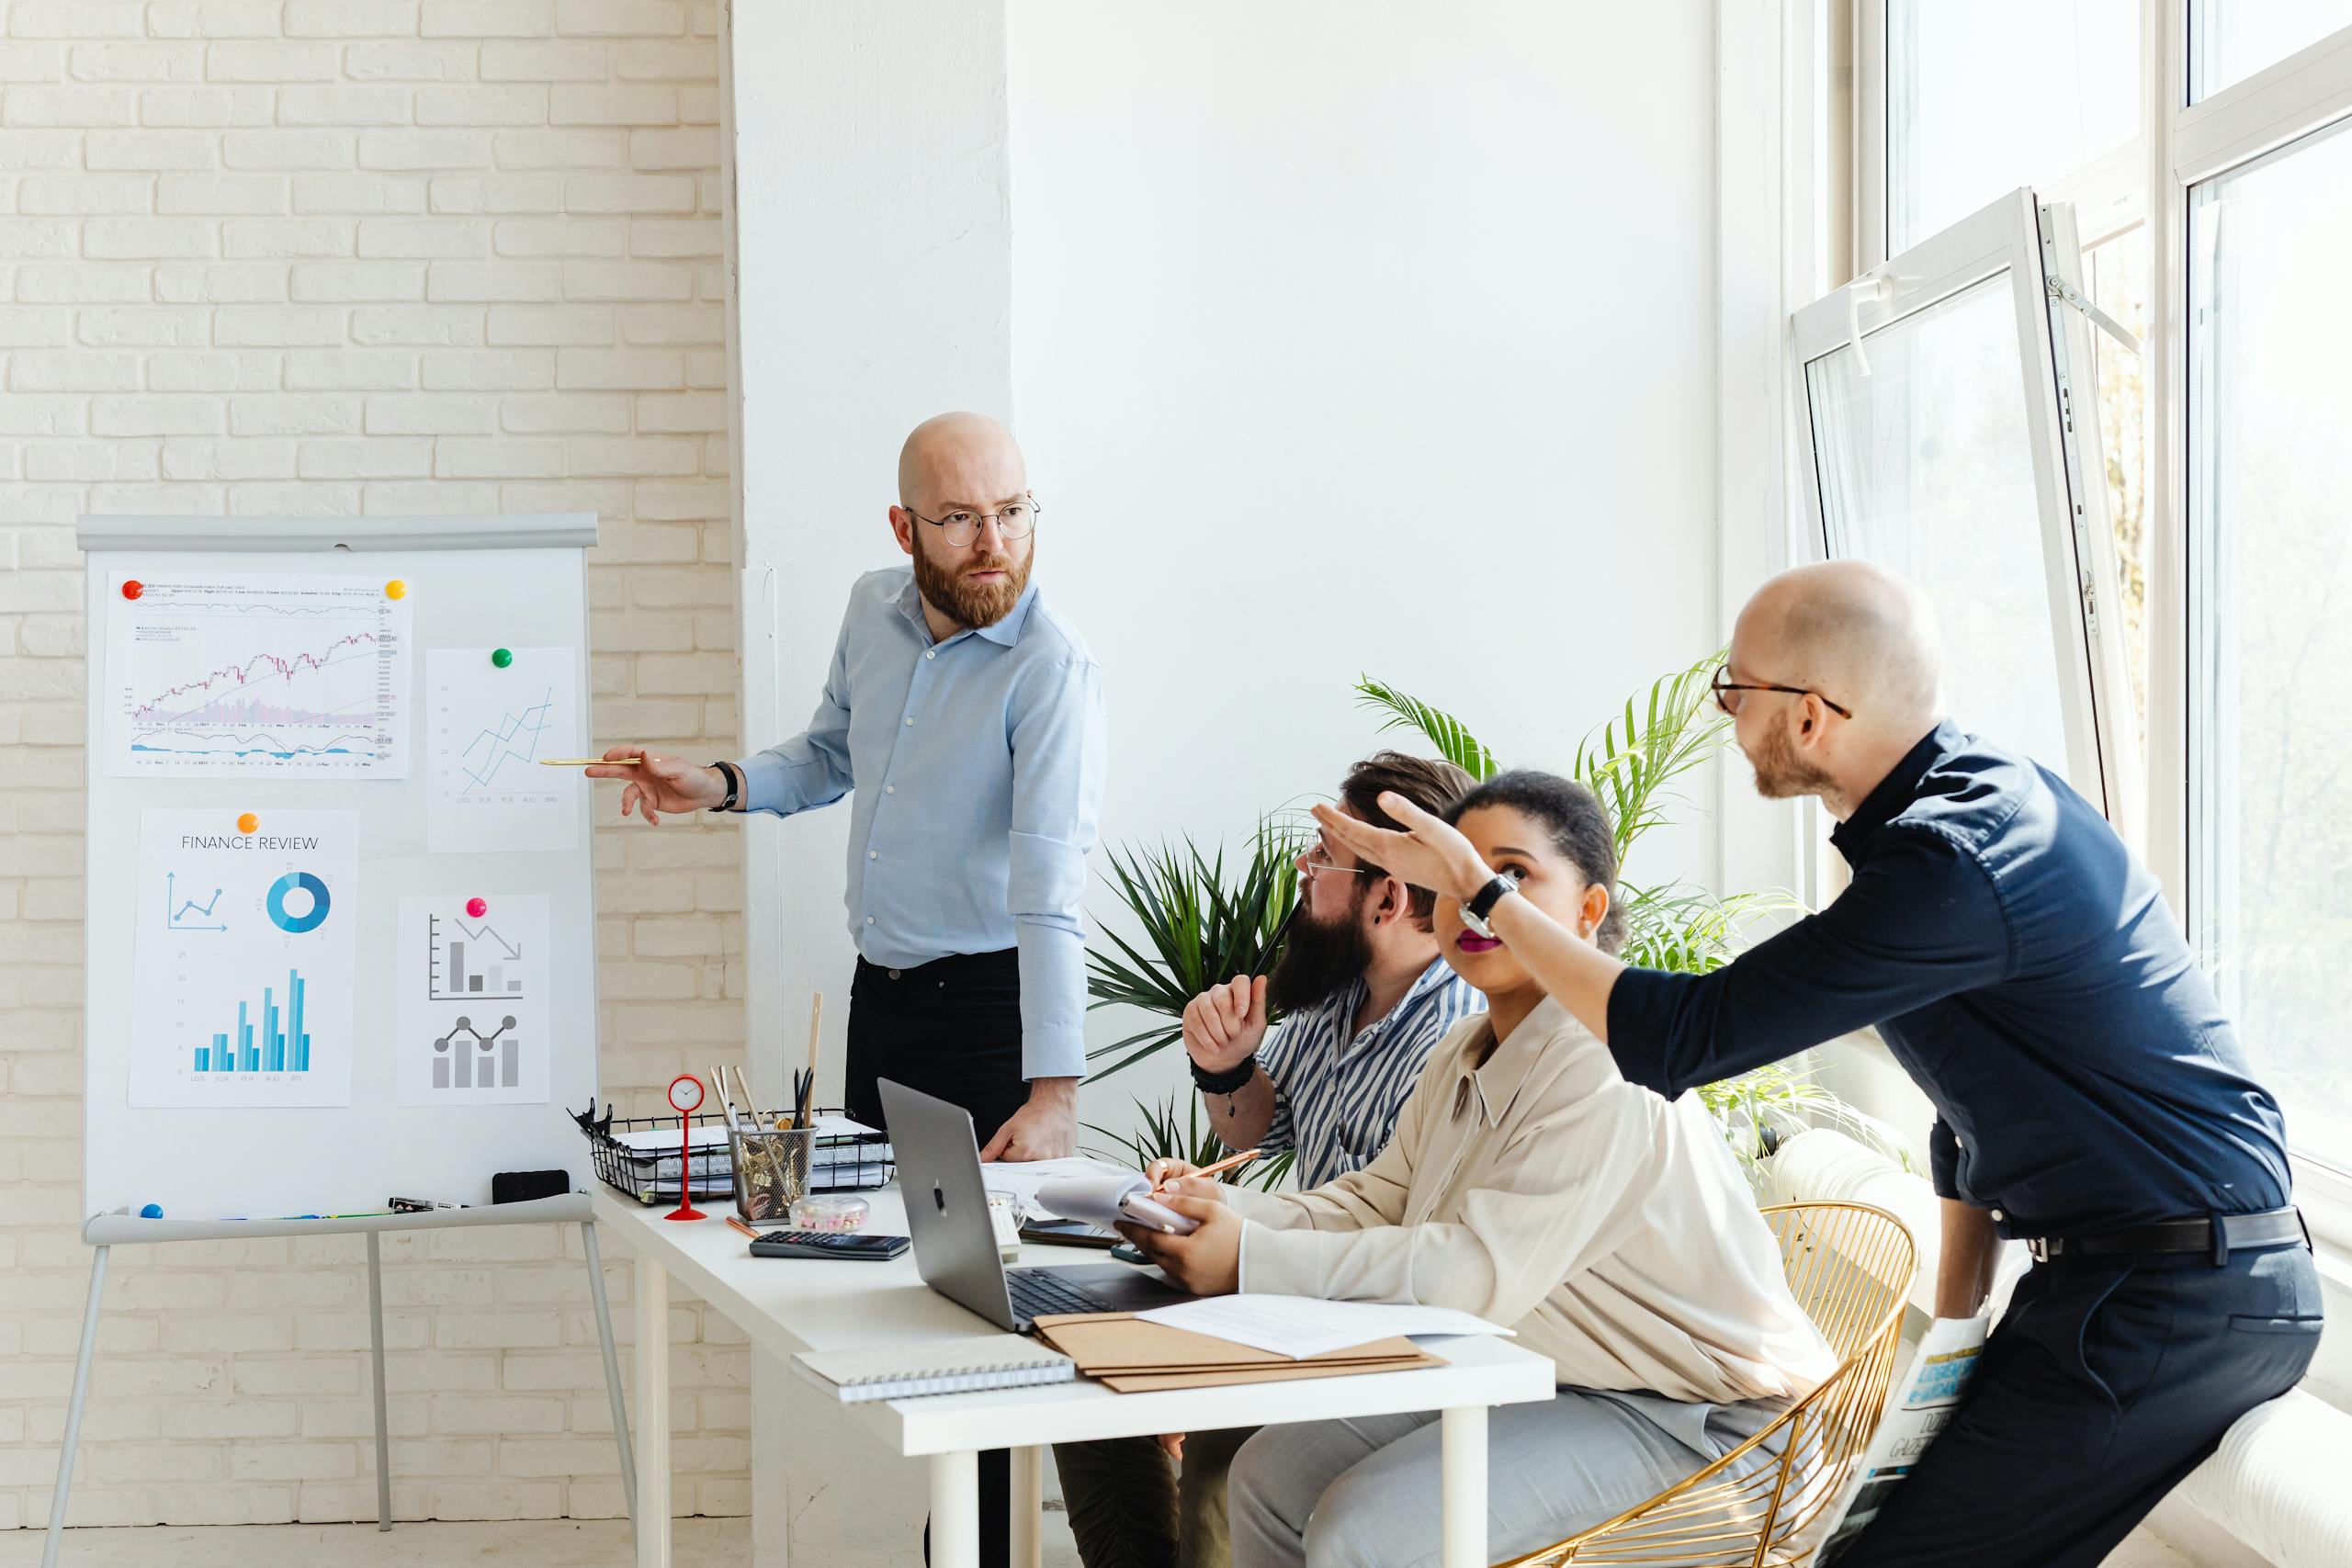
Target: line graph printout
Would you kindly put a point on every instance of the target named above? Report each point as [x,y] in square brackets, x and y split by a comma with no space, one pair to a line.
[488,725]
[249,676]
[244,961]
[473,1000]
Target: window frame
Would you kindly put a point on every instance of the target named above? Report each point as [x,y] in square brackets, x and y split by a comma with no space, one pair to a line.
[2150,183]
[2034,245]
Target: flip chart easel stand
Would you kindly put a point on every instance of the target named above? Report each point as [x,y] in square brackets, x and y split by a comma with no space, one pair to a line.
[102,1231]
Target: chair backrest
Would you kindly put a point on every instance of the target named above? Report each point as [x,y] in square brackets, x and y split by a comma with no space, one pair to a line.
[1847,1265]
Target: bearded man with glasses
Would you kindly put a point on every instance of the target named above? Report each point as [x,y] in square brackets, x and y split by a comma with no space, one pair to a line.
[964,719]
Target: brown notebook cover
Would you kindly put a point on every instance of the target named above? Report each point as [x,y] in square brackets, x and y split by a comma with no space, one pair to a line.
[1130,1356]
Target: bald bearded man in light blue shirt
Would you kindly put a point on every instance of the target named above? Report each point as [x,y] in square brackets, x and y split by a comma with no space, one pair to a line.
[964,719]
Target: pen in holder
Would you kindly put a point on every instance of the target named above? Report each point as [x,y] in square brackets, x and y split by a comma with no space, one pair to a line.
[771,1170]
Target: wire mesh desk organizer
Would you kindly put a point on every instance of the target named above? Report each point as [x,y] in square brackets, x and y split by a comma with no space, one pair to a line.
[826,1161]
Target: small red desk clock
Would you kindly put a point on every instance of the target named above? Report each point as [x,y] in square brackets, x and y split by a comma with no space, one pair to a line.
[685,1099]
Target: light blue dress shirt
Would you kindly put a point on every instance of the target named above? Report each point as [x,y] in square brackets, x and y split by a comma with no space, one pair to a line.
[975,767]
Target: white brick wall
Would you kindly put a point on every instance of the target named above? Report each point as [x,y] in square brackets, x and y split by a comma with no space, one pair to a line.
[335,256]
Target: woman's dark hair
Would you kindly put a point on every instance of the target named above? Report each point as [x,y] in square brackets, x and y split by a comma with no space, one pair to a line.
[1578,822]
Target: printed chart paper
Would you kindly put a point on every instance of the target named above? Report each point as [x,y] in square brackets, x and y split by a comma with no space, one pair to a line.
[249,676]
[244,961]
[473,1000]
[490,725]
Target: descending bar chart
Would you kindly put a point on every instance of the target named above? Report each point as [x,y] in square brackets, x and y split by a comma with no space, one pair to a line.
[473,998]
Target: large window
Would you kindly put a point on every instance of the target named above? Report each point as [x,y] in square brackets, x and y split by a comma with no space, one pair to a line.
[2270,531]
[2216,597]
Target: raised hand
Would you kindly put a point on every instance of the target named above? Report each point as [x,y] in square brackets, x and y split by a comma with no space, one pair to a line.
[1429,854]
[662,783]
[1225,1023]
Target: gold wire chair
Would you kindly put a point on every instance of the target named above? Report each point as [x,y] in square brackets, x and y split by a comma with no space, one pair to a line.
[1850,1267]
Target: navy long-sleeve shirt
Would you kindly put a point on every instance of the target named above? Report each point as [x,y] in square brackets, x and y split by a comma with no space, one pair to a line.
[2023,967]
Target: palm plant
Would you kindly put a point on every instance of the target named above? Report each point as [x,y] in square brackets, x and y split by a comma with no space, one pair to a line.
[1160,1136]
[1199,930]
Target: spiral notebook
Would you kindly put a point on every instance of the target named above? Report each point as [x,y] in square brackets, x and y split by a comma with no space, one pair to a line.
[945,1366]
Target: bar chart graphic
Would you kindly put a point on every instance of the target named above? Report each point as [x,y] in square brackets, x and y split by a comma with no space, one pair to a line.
[473,998]
[466,961]
[245,959]
[282,1047]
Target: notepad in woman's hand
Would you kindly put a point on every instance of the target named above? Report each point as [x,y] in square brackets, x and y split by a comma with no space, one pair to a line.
[1106,1200]
[945,1366]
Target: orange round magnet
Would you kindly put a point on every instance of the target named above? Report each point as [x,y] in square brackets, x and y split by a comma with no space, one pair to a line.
[396,589]
[247,823]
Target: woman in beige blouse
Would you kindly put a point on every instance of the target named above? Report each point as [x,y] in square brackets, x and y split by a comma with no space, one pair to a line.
[1531,1185]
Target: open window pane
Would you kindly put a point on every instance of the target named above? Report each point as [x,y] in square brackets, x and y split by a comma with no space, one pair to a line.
[1926,468]
[2270,614]
[1984,96]
[2232,39]
[2119,282]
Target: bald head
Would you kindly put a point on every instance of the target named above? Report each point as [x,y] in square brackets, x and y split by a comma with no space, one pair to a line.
[1863,637]
[959,459]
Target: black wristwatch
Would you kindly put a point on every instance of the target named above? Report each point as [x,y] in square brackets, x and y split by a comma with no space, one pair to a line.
[1482,903]
[734,786]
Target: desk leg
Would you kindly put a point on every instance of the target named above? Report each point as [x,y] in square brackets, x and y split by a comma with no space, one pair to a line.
[1463,1486]
[1028,1508]
[956,1510]
[652,1352]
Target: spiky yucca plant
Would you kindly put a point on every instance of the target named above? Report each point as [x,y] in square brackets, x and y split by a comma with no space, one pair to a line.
[1160,1135]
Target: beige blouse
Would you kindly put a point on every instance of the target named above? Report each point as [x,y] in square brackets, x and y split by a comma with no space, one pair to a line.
[1531,1184]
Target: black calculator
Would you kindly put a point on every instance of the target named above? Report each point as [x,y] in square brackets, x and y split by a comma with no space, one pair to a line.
[826,1244]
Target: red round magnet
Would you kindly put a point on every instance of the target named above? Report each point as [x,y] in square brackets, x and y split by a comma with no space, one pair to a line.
[132,588]
[477,907]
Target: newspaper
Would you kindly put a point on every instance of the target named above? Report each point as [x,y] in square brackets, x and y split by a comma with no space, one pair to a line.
[1932,1390]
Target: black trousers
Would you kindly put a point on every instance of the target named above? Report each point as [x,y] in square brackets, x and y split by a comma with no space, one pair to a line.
[2107,1381]
[950,1028]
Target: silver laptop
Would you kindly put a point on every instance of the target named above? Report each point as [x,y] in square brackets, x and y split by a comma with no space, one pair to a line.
[947,1215]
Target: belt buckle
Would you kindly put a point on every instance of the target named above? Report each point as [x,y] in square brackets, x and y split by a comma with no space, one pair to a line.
[2038,1248]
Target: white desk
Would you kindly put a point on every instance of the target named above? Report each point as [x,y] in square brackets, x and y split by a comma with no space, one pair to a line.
[788,1306]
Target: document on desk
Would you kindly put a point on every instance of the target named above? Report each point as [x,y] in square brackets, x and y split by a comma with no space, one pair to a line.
[1300,1326]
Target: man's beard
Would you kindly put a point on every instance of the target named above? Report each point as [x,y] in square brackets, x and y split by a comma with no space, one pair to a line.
[969,604]
[1319,960]
[1779,776]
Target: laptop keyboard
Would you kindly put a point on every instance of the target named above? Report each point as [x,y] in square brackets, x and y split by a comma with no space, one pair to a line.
[1036,1293]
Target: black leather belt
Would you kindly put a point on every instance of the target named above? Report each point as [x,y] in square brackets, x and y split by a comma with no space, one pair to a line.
[2220,1236]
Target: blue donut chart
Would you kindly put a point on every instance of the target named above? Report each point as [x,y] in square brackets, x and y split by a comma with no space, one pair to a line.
[298,924]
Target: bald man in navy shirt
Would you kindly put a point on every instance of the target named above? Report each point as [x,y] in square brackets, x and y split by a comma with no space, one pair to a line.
[2091,1098]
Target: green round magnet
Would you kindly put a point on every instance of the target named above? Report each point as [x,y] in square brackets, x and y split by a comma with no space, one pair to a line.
[503,657]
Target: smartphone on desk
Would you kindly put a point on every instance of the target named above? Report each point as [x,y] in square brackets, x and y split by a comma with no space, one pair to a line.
[1067,1232]
[827,1243]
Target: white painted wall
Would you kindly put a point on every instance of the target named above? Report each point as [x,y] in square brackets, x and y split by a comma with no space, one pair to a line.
[1341,338]
[1363,338]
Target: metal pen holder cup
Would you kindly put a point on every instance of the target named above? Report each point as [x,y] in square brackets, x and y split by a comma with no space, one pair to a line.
[771,1171]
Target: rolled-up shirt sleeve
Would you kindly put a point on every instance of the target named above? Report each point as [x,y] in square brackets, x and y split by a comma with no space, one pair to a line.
[1059,749]
[813,768]
[1920,921]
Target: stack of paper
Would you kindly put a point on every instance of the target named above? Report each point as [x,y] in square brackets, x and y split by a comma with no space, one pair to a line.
[1302,1327]
[953,1366]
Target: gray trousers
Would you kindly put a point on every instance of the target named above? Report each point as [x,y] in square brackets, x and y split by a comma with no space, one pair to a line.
[1130,1508]
[1363,1494]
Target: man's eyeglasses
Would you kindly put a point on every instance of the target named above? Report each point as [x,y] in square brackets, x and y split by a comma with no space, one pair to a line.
[960,527]
[1315,860]
[1723,689]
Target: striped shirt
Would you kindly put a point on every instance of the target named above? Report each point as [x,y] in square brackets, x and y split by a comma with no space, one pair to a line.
[1335,1098]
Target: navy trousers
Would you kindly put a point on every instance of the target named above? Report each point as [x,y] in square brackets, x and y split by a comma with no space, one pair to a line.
[2107,1381]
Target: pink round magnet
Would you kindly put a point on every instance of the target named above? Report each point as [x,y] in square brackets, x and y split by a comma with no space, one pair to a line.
[477,907]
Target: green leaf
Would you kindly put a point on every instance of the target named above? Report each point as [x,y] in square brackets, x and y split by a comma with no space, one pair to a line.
[1448,734]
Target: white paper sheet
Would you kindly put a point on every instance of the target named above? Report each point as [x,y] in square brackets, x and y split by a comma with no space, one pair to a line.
[1300,1326]
[487,728]
[253,676]
[473,999]
[664,1140]
[1105,1200]
[1024,1178]
[244,958]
